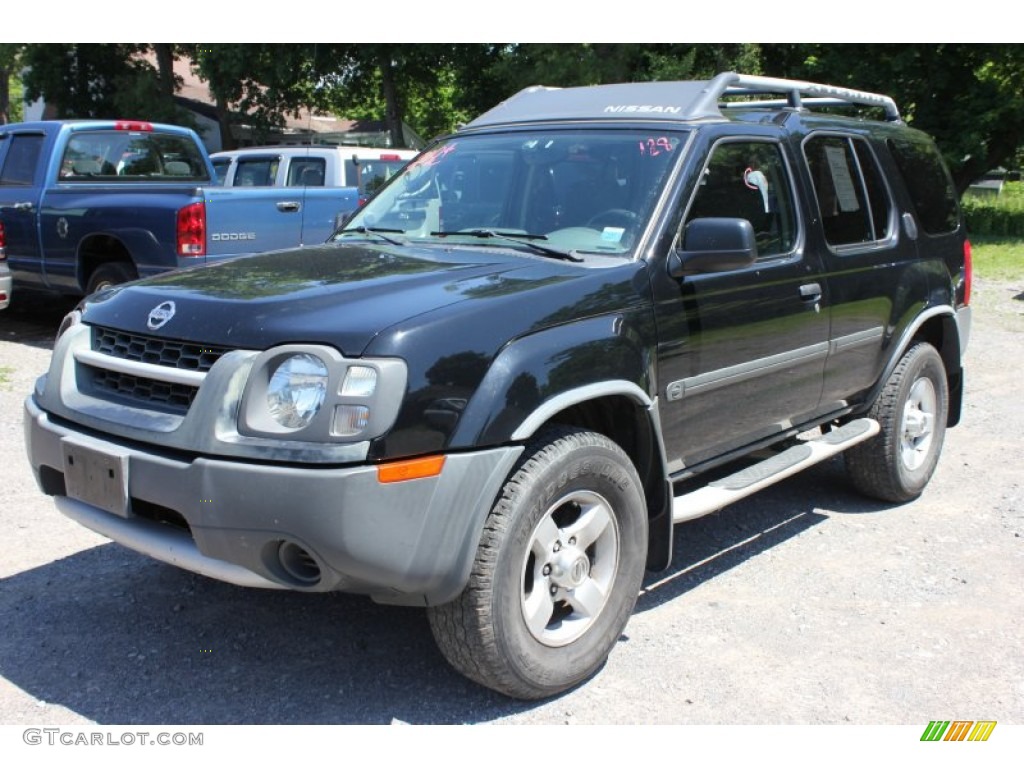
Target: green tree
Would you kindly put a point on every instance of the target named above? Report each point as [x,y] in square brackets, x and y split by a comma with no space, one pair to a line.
[262,81]
[10,98]
[564,64]
[103,80]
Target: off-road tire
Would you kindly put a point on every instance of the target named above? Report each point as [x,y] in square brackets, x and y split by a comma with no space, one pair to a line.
[568,482]
[911,409]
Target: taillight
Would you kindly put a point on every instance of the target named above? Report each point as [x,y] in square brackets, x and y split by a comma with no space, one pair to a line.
[968,272]
[192,230]
[132,125]
[390,157]
[3,242]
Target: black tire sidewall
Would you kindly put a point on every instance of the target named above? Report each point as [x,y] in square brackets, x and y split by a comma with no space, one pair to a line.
[109,275]
[555,668]
[925,363]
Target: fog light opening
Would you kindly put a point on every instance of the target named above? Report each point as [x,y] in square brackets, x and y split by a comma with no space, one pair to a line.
[298,564]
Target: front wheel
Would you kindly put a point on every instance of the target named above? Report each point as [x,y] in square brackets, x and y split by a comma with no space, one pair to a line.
[911,409]
[557,571]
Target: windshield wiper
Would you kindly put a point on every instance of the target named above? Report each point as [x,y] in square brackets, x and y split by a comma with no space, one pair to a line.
[514,237]
[378,231]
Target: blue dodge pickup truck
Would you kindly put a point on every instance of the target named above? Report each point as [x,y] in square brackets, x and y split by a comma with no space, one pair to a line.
[91,203]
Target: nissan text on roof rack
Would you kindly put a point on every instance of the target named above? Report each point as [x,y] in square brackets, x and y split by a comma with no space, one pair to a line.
[589,315]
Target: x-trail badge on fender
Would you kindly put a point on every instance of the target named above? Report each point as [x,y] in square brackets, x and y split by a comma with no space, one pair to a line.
[159,315]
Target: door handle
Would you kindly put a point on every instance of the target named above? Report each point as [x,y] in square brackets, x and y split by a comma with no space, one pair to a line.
[810,292]
[288,207]
[27,206]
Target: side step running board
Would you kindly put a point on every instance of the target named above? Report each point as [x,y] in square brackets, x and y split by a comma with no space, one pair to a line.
[720,493]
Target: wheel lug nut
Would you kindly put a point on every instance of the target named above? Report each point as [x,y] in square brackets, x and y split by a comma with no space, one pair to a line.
[558,546]
[546,570]
[572,541]
[554,590]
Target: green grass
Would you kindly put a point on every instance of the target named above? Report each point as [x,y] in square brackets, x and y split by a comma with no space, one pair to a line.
[998,258]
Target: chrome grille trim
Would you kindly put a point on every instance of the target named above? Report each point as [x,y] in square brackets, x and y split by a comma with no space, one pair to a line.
[141,370]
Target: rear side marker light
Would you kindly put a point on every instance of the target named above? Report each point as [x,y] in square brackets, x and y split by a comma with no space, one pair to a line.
[413,469]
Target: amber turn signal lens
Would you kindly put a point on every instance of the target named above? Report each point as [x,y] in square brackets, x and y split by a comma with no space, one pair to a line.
[414,469]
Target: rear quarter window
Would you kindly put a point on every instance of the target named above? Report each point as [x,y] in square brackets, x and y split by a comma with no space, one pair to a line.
[928,182]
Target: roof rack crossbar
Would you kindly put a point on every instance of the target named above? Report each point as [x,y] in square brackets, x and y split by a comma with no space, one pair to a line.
[733,84]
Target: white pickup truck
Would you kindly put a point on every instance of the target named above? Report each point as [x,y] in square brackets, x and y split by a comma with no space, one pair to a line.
[310,166]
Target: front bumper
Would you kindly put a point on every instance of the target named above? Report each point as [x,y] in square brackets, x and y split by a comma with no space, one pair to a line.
[410,542]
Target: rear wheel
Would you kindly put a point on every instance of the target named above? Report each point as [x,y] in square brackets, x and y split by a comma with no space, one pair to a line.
[897,464]
[110,274]
[557,571]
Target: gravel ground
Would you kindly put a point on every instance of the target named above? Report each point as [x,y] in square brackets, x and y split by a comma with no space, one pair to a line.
[805,604]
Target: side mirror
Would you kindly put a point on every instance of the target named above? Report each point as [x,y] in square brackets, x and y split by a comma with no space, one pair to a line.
[714,245]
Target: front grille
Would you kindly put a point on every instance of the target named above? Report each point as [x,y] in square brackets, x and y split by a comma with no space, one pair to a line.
[163,395]
[146,349]
[142,391]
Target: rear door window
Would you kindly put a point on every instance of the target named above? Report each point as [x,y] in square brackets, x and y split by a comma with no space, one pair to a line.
[21,161]
[306,172]
[256,171]
[853,201]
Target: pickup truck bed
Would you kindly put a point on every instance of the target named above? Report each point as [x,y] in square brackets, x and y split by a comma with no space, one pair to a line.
[85,204]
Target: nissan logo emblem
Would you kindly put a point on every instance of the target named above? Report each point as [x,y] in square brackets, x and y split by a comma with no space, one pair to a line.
[159,315]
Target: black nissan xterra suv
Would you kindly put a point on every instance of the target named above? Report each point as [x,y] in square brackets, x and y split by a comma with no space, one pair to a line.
[498,387]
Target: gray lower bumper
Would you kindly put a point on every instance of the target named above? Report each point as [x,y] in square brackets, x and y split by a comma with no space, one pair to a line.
[410,542]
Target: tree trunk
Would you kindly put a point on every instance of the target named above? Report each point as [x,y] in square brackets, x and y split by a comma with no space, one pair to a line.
[1001,152]
[5,96]
[227,141]
[393,107]
[165,68]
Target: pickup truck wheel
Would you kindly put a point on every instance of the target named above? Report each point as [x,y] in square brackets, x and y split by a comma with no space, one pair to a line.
[112,273]
[557,571]
[897,464]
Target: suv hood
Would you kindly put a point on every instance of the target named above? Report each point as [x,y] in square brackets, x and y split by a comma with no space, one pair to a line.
[260,301]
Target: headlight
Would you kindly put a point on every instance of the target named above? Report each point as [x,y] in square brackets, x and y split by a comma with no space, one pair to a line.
[314,394]
[297,389]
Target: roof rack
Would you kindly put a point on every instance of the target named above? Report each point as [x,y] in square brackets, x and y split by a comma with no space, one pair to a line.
[733,84]
[674,101]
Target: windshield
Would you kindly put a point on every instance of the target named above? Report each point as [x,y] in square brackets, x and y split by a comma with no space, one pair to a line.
[577,191]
